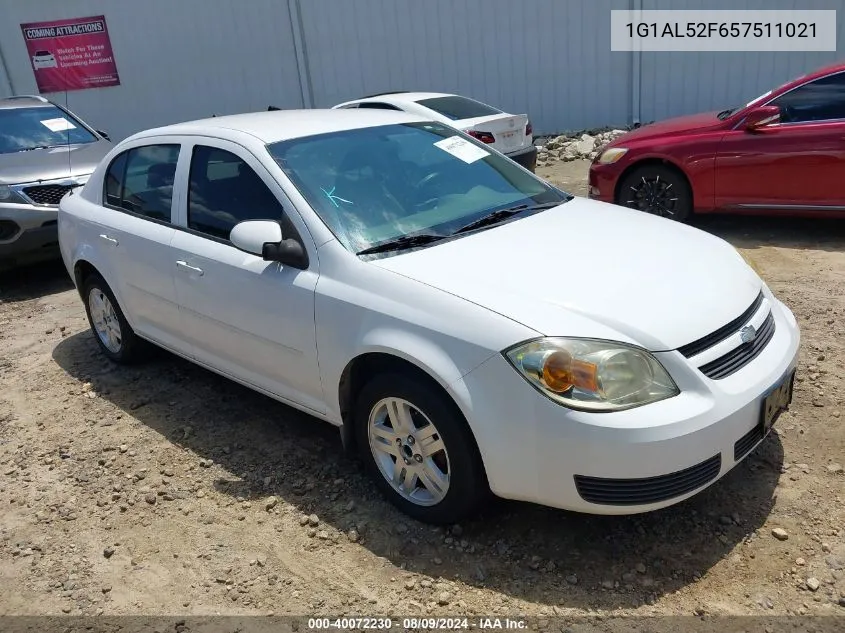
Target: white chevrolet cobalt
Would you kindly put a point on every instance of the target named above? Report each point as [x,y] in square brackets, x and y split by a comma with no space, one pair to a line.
[467,326]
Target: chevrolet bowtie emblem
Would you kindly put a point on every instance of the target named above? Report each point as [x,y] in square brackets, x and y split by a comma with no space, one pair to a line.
[747,334]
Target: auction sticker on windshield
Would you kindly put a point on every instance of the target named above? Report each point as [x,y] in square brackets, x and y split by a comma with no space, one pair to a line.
[58,125]
[462,149]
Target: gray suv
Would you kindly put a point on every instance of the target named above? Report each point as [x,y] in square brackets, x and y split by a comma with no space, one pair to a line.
[45,151]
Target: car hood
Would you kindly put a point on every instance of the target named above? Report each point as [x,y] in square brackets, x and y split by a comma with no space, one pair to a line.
[590,269]
[678,125]
[52,163]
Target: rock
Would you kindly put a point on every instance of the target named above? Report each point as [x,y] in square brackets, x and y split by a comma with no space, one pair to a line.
[443,598]
[607,584]
[123,448]
[834,469]
[837,563]
[572,579]
[457,530]
[585,145]
[641,569]
[312,532]
[108,552]
[780,534]
[303,520]
[150,498]
[350,506]
[271,503]
[437,561]
[353,536]
[726,520]
[313,520]
[410,584]
[826,548]
[813,584]
[800,562]
[323,535]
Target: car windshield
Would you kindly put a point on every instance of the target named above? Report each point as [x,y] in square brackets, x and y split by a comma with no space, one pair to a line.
[376,184]
[23,129]
[458,108]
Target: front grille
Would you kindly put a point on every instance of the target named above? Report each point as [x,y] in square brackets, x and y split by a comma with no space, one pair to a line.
[8,229]
[696,347]
[631,492]
[47,194]
[748,441]
[740,356]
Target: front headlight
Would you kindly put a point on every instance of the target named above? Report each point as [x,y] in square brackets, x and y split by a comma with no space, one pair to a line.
[7,194]
[611,155]
[592,375]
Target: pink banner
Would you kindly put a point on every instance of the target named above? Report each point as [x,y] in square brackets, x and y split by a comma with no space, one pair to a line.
[71,54]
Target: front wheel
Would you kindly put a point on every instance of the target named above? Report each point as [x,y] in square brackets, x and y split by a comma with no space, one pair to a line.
[658,190]
[419,449]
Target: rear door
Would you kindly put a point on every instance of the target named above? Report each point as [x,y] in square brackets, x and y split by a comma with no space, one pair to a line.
[134,231]
[507,133]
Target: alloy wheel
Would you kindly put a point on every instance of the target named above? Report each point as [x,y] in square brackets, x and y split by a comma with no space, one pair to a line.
[106,323]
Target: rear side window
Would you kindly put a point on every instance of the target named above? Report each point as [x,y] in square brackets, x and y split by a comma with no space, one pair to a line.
[457,108]
[223,191]
[140,181]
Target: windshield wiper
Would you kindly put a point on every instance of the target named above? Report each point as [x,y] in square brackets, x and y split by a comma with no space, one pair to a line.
[494,217]
[724,114]
[29,149]
[400,243]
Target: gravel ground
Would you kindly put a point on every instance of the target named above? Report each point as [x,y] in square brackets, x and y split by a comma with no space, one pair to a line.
[164,489]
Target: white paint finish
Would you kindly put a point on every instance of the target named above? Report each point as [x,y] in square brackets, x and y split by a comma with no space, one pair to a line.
[579,269]
[583,260]
[251,236]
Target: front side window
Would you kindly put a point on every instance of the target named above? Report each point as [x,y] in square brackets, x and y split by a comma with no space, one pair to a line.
[457,108]
[140,180]
[376,184]
[819,100]
[23,129]
[224,190]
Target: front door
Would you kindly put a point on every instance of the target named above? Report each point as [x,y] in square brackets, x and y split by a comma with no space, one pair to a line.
[244,316]
[794,164]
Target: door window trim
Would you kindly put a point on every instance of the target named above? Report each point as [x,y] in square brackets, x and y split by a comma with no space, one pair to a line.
[173,197]
[801,85]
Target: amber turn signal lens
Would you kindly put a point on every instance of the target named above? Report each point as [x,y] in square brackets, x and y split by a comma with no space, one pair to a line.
[561,372]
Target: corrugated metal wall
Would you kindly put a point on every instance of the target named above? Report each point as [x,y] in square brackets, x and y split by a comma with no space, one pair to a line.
[684,83]
[187,59]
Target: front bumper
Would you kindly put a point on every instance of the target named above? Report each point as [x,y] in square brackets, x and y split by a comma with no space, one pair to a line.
[526,157]
[602,181]
[27,233]
[536,450]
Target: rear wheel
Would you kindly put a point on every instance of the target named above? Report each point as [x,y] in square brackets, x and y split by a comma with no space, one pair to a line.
[113,333]
[419,450]
[658,190]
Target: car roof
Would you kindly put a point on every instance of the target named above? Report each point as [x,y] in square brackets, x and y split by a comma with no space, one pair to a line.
[281,125]
[24,101]
[402,97]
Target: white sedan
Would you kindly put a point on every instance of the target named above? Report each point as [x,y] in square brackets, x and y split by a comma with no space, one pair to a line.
[467,326]
[511,134]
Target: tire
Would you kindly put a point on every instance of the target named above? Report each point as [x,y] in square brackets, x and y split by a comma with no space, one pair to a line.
[465,486]
[113,334]
[658,190]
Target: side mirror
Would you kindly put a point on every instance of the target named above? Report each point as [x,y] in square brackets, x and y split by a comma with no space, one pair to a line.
[761,117]
[104,135]
[264,238]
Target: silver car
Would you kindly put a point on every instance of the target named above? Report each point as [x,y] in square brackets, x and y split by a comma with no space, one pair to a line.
[45,151]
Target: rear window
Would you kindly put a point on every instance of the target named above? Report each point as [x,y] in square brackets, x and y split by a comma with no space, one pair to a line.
[457,108]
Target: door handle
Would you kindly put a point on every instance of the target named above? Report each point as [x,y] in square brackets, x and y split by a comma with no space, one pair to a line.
[108,239]
[185,264]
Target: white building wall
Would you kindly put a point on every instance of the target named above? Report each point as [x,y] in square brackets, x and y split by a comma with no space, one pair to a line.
[185,59]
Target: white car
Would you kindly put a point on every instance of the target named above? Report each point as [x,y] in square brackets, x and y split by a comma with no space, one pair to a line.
[468,326]
[44,59]
[511,134]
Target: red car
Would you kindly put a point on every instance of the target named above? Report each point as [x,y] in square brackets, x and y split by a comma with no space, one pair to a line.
[783,153]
